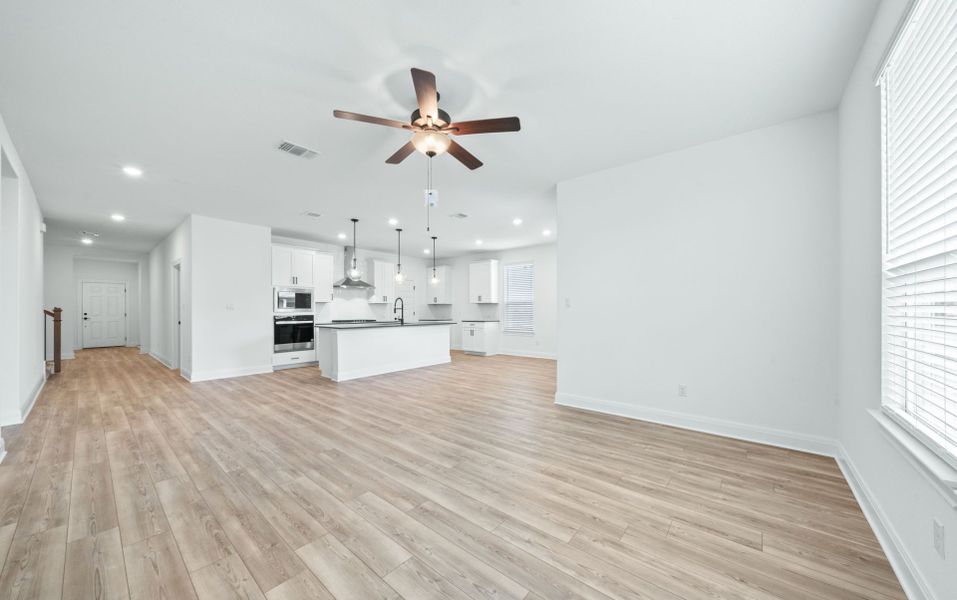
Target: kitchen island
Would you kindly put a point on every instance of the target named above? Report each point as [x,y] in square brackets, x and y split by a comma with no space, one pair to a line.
[354,350]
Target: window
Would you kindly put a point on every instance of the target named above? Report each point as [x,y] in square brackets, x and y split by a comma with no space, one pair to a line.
[520,298]
[919,133]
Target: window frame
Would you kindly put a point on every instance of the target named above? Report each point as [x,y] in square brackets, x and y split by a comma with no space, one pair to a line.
[908,423]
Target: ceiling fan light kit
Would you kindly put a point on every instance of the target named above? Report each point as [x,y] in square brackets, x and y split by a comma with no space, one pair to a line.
[432,127]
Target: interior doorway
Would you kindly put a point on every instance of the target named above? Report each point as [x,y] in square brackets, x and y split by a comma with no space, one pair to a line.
[177,317]
[103,313]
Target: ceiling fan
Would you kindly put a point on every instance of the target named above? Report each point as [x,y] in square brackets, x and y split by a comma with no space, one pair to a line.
[432,126]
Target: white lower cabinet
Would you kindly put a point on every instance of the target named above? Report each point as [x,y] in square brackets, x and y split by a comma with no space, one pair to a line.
[481,337]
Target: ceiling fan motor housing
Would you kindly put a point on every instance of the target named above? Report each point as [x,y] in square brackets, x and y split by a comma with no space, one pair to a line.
[443,120]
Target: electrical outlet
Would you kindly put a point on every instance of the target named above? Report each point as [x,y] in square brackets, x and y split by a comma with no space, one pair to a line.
[682,390]
[939,538]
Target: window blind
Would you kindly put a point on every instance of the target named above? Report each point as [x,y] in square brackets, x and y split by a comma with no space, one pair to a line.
[919,135]
[520,298]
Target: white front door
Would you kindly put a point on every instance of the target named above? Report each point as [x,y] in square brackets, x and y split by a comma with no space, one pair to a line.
[103,314]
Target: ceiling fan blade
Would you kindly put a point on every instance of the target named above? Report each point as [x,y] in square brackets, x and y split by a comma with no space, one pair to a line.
[351,116]
[425,93]
[485,126]
[464,156]
[401,154]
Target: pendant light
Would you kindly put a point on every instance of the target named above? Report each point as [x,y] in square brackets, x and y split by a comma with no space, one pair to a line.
[354,272]
[399,277]
[435,277]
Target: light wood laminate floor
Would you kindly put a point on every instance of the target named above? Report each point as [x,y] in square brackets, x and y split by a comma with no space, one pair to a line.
[459,481]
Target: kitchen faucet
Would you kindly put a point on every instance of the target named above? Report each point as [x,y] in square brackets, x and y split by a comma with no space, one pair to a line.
[399,305]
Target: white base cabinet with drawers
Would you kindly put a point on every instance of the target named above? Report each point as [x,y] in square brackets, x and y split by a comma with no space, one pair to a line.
[481,337]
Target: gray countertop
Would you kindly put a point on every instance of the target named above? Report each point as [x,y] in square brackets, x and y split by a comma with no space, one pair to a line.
[380,324]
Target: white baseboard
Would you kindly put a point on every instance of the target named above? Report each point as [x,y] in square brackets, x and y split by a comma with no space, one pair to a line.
[904,567]
[17,416]
[227,373]
[25,411]
[741,431]
[162,359]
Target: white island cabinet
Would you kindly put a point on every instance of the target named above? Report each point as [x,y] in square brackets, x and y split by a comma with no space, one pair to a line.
[350,351]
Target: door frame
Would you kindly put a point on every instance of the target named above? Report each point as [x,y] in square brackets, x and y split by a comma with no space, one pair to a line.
[176,320]
[79,311]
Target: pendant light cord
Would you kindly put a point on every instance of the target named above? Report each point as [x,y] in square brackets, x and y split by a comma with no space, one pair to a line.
[428,198]
[399,255]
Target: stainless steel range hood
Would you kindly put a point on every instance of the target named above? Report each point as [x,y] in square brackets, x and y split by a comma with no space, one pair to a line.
[348,282]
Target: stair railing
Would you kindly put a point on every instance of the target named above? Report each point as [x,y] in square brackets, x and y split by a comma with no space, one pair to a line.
[56,314]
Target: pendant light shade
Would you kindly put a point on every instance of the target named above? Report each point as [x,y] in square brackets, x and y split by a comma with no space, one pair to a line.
[399,277]
[435,276]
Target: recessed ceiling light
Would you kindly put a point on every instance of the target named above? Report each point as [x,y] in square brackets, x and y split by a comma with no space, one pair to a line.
[118,217]
[546,232]
[393,222]
[516,221]
[342,236]
[478,242]
[426,251]
[132,171]
[86,240]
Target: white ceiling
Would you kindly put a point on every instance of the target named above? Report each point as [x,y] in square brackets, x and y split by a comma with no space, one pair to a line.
[199,93]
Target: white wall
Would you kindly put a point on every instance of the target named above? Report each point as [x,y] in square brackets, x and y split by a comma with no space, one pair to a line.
[174,249]
[21,288]
[64,267]
[904,502]
[231,291]
[544,343]
[711,267]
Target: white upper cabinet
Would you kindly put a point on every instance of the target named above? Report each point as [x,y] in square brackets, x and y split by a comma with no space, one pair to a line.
[292,266]
[381,274]
[483,282]
[281,265]
[302,267]
[439,292]
[324,277]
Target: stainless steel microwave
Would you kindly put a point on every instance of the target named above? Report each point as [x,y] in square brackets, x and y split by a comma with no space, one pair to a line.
[292,300]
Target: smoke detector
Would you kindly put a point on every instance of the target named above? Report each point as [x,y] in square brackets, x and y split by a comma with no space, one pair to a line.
[296,150]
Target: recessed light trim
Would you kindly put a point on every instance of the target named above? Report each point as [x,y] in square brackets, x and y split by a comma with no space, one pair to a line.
[426,251]
[86,240]
[546,232]
[341,236]
[393,222]
[479,242]
[516,221]
[133,171]
[118,217]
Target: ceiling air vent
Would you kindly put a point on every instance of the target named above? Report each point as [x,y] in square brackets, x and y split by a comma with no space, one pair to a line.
[297,150]
[458,216]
